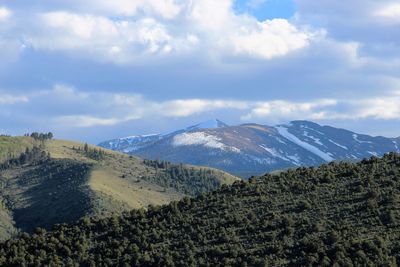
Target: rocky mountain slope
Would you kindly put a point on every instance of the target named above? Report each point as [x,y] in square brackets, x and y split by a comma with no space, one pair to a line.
[55,181]
[340,214]
[253,149]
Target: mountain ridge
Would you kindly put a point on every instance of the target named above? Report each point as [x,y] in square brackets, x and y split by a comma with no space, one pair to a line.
[253,149]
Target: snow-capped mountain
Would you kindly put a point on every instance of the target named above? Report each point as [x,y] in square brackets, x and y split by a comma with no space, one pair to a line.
[252,149]
[134,143]
[131,143]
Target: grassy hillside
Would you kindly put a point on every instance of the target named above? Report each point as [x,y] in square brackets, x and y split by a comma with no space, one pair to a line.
[11,147]
[61,181]
[341,214]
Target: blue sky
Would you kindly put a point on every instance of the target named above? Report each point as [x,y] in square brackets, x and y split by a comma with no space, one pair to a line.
[94,70]
[266,9]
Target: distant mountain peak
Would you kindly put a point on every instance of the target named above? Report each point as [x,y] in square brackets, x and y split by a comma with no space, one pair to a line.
[139,136]
[210,124]
[303,123]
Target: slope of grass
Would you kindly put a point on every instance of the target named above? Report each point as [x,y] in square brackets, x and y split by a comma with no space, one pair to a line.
[51,192]
[341,214]
[137,194]
[73,183]
[11,147]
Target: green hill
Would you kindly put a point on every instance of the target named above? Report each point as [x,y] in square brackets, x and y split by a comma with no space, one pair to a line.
[55,181]
[11,147]
[341,214]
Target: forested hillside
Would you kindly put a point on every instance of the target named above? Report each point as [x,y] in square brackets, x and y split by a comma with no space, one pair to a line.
[339,214]
[55,181]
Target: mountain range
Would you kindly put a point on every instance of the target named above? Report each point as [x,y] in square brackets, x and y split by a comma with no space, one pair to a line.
[253,149]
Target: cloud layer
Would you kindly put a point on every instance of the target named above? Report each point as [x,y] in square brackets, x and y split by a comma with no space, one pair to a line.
[131,31]
[184,60]
[79,109]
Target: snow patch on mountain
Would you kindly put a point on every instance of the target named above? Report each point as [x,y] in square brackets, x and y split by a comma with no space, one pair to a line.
[312,129]
[396,146]
[138,136]
[285,133]
[355,137]
[280,140]
[261,161]
[316,140]
[201,139]
[131,143]
[274,153]
[339,145]
[198,138]
[295,159]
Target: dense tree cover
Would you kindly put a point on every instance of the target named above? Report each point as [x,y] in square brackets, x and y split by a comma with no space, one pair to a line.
[185,179]
[340,214]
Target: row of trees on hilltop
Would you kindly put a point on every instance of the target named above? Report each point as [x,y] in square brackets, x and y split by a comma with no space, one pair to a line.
[41,136]
[93,153]
[340,214]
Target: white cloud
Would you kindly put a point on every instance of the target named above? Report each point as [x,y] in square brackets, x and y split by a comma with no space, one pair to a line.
[386,108]
[187,107]
[134,110]
[133,31]
[102,38]
[366,21]
[72,108]
[86,121]
[280,109]
[327,50]
[10,45]
[6,99]
[270,39]
[106,109]
[234,34]
[5,14]
[167,9]
[390,11]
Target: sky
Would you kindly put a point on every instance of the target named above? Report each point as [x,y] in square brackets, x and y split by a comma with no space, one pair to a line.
[95,70]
